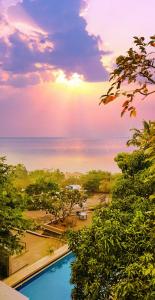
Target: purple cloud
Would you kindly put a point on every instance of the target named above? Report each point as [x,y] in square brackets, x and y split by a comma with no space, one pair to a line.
[66,44]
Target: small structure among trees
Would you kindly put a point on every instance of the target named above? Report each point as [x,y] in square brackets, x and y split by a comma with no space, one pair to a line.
[74,187]
[82,215]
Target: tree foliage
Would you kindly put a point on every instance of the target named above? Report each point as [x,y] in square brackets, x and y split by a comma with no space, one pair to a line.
[93,179]
[135,70]
[145,139]
[37,176]
[115,256]
[20,177]
[50,197]
[12,203]
[61,203]
[38,191]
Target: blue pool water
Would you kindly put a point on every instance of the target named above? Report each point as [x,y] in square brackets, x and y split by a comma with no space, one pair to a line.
[53,283]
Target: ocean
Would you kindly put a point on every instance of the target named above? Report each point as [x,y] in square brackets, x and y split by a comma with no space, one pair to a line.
[66,154]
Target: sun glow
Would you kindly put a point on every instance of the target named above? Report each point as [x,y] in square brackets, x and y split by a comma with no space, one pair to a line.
[75,80]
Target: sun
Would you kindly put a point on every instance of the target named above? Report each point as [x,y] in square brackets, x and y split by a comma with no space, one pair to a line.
[74,81]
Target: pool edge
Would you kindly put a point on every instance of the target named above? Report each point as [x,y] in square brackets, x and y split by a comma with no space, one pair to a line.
[23,282]
[17,278]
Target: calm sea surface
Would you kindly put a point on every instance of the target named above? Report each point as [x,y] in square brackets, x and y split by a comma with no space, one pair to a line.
[66,154]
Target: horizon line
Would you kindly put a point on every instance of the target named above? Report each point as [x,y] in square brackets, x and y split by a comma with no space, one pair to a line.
[64,137]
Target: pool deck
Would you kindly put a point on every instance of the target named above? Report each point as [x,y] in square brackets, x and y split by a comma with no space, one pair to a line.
[28,271]
[7,293]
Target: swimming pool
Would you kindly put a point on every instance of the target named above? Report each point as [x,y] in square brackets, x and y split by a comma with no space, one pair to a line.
[53,283]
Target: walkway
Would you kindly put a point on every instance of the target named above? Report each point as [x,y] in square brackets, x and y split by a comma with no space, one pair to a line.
[7,293]
[28,271]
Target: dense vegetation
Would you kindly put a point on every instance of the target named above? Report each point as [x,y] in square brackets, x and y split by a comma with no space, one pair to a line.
[94,181]
[36,190]
[12,203]
[44,190]
[115,257]
[97,181]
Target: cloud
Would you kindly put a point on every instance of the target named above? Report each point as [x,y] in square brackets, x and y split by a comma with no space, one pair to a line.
[63,44]
[19,55]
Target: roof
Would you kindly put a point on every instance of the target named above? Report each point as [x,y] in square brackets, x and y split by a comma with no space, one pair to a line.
[83,213]
[74,186]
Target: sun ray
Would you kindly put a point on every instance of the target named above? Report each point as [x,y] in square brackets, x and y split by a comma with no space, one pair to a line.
[75,80]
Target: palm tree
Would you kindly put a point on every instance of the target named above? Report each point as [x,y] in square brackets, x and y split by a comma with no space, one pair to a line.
[143,138]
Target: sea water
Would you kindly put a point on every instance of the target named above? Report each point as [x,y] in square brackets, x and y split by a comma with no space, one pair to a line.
[66,154]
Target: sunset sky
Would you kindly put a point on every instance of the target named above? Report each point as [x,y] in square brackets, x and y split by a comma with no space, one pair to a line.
[55,57]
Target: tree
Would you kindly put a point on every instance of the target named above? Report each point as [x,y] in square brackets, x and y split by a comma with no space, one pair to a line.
[92,180]
[105,186]
[136,70]
[38,191]
[71,180]
[115,256]
[145,139]
[47,175]
[61,204]
[12,203]
[20,177]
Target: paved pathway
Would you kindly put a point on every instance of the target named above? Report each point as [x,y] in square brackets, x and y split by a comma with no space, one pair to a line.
[7,293]
[28,271]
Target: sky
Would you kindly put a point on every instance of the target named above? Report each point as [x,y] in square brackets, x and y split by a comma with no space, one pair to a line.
[55,59]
